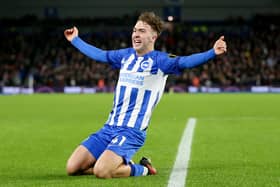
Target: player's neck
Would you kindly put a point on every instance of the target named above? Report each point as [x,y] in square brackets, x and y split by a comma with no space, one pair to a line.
[143,52]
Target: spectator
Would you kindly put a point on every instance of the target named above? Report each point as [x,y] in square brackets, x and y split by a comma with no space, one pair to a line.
[253,57]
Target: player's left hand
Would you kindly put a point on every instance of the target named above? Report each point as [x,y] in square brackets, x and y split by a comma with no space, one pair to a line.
[220,46]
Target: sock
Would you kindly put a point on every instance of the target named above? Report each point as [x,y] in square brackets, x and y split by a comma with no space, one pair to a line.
[138,170]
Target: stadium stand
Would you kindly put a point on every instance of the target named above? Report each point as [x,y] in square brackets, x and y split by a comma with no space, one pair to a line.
[35,54]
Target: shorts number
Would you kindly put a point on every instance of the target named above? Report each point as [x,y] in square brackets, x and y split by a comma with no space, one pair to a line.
[115,140]
[123,139]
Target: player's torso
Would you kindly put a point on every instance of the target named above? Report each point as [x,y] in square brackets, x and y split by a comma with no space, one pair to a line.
[140,72]
[139,89]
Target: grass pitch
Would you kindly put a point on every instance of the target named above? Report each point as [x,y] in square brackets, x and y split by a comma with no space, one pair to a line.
[236,140]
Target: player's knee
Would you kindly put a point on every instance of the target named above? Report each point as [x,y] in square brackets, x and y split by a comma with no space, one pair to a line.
[102,173]
[71,169]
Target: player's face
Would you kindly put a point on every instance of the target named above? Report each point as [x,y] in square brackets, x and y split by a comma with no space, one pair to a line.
[143,38]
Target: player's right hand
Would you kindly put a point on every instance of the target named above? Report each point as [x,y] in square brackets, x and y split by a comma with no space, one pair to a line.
[71,33]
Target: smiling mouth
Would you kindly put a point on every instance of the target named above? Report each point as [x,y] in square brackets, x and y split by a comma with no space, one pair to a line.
[137,42]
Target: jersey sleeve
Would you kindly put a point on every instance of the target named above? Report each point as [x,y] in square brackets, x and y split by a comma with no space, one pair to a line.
[89,50]
[196,59]
[169,64]
[115,57]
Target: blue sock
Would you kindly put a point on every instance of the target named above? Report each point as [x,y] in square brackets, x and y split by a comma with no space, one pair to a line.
[138,170]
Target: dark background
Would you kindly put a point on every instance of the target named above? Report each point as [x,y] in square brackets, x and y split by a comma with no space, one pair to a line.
[35,54]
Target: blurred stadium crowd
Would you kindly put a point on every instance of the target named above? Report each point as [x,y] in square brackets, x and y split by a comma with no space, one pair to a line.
[34,53]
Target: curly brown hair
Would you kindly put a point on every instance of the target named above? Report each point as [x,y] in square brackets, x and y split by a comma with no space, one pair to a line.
[153,20]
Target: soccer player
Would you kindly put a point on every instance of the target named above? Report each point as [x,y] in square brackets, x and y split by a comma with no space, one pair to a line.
[142,75]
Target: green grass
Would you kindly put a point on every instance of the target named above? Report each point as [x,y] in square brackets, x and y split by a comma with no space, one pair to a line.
[236,140]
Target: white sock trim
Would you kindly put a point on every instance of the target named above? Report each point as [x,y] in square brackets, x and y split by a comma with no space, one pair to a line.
[145,172]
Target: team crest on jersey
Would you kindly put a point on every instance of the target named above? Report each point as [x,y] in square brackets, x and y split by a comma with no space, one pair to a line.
[147,64]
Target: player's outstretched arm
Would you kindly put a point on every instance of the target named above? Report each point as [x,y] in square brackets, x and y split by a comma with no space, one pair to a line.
[89,50]
[196,59]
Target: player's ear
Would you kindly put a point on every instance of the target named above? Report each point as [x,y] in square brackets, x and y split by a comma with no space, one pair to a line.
[154,37]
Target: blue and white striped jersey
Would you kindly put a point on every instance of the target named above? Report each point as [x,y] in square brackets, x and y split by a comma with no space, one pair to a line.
[140,86]
[141,80]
